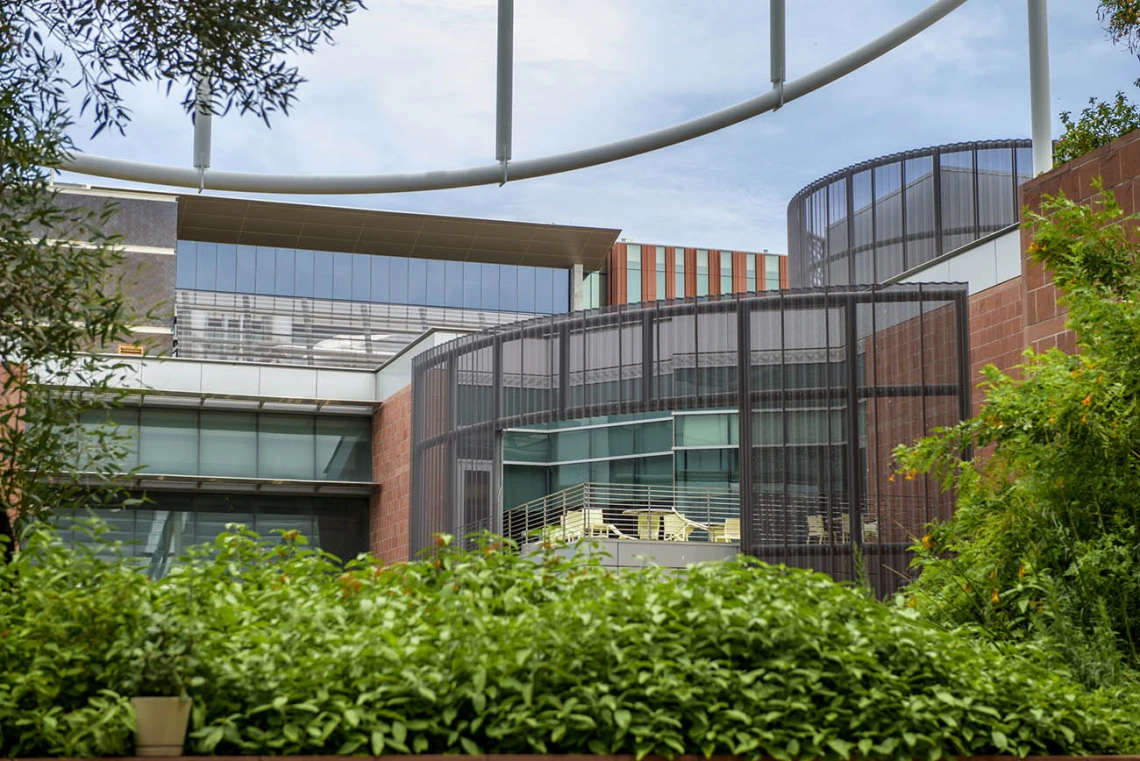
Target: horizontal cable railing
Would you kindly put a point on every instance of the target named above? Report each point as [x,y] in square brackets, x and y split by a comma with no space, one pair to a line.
[628,511]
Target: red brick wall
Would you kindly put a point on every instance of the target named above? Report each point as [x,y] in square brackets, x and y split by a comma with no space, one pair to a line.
[391,469]
[996,332]
[1118,165]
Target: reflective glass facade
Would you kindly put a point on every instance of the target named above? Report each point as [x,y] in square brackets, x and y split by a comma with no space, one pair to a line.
[827,380]
[875,220]
[169,522]
[234,444]
[377,279]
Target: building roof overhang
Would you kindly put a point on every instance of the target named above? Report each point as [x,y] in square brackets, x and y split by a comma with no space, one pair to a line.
[367,231]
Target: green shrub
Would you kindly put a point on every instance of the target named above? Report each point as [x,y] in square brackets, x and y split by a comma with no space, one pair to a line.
[286,651]
[1045,543]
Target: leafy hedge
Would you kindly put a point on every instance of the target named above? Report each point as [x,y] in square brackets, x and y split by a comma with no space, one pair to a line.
[285,652]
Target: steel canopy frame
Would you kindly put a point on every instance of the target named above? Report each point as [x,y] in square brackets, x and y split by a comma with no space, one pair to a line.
[252,182]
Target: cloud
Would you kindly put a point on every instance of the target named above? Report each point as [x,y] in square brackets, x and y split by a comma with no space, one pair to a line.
[410,86]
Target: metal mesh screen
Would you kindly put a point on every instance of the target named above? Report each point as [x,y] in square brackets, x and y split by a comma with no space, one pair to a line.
[825,382]
[878,219]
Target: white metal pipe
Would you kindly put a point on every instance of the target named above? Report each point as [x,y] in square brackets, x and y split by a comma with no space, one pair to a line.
[1039,86]
[203,114]
[504,88]
[250,182]
[777,36]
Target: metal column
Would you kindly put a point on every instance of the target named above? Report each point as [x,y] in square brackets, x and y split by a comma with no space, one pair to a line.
[1039,86]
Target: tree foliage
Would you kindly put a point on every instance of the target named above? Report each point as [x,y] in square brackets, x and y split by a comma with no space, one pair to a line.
[285,651]
[1045,543]
[1100,123]
[60,276]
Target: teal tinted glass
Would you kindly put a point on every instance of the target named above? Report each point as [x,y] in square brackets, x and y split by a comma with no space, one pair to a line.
[523,483]
[168,441]
[707,468]
[707,430]
[229,444]
[570,445]
[526,447]
[344,449]
[285,447]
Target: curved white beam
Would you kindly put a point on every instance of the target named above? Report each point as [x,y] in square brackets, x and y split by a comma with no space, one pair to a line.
[250,182]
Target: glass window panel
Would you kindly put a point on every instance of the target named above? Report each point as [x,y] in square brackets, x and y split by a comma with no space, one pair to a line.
[303,280]
[570,445]
[417,281]
[207,266]
[229,444]
[509,288]
[726,271]
[653,437]
[342,276]
[921,246]
[617,441]
[436,277]
[996,200]
[398,285]
[543,290]
[285,447]
[280,514]
[654,471]
[186,265]
[472,275]
[750,272]
[633,272]
[526,447]
[213,511]
[266,270]
[323,274]
[679,273]
[169,441]
[707,430]
[708,468]
[526,289]
[246,268]
[561,294]
[453,284]
[227,268]
[342,527]
[566,476]
[489,298]
[121,433]
[361,277]
[381,267]
[959,225]
[344,449]
[523,483]
[888,221]
[702,272]
[286,258]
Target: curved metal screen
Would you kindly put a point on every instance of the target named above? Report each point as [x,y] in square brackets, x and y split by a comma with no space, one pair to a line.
[829,380]
[875,220]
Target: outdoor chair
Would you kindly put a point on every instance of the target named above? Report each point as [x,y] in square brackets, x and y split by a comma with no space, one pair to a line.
[596,525]
[870,530]
[573,526]
[817,534]
[678,528]
[729,531]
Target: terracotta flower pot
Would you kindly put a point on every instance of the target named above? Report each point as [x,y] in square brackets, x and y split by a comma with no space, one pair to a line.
[160,725]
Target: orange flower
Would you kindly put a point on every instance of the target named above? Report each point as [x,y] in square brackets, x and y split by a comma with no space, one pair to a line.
[994,597]
[1021,572]
[891,478]
[1087,400]
[912,602]
[927,542]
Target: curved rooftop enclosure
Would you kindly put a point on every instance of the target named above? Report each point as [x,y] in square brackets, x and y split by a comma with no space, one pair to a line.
[873,221]
[808,391]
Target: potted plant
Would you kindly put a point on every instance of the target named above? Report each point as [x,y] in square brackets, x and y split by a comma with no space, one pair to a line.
[164,657]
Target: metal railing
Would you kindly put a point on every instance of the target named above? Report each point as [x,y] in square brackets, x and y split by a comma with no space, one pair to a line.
[628,511]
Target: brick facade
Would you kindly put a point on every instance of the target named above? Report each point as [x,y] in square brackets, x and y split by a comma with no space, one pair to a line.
[391,470]
[996,332]
[1118,165]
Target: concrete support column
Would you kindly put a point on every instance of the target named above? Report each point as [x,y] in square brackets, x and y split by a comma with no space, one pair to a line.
[576,291]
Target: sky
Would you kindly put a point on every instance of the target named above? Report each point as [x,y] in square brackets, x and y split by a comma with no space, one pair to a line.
[409,86]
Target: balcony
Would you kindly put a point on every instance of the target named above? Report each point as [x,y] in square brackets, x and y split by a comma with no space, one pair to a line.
[671,525]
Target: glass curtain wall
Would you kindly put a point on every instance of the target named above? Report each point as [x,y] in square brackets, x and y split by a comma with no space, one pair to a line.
[238,444]
[827,381]
[167,523]
[875,220]
[702,272]
[679,273]
[726,272]
[660,256]
[376,279]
